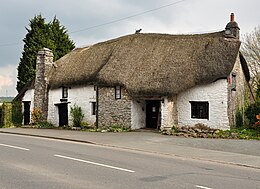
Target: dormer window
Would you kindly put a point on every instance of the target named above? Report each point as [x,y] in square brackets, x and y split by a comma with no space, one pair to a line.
[64,92]
[118,92]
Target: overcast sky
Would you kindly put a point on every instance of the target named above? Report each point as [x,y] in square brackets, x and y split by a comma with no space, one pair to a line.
[79,17]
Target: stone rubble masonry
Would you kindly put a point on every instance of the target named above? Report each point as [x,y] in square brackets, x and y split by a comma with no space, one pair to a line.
[236,98]
[113,111]
[44,64]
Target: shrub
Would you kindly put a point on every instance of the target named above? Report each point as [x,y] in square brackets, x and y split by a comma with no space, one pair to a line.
[45,125]
[239,119]
[251,112]
[37,116]
[17,116]
[1,124]
[77,115]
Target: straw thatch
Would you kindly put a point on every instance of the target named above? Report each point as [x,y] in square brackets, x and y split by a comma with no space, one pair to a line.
[149,64]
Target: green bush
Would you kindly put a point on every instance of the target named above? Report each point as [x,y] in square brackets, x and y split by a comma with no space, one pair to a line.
[45,125]
[251,112]
[17,116]
[1,122]
[77,115]
[239,119]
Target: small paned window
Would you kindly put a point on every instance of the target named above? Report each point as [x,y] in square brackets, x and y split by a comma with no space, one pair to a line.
[93,108]
[234,82]
[118,92]
[64,92]
[199,110]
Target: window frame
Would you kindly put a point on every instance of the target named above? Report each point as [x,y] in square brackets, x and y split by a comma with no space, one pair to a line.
[65,92]
[233,81]
[93,109]
[199,106]
[118,92]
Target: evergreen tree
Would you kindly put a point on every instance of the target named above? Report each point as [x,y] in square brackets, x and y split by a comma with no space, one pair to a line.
[51,35]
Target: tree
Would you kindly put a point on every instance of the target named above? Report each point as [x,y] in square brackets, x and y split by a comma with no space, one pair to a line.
[251,51]
[51,35]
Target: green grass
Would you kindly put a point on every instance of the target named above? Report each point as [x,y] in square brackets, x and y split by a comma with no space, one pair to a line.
[240,133]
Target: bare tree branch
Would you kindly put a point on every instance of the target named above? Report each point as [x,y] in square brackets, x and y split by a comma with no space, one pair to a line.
[251,51]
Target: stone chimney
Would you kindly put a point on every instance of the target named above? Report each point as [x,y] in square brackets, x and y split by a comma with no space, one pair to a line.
[44,64]
[232,29]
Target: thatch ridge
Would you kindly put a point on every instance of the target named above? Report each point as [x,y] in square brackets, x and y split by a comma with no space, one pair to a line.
[149,64]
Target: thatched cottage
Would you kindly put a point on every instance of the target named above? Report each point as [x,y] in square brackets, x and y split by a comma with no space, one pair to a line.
[144,81]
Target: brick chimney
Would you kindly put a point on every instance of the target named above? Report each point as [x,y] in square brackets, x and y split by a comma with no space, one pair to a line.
[44,64]
[232,29]
[232,17]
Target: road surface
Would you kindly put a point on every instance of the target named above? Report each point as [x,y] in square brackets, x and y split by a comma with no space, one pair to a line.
[28,162]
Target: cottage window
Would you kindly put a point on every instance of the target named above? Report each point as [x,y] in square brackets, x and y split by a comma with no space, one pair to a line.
[118,92]
[234,82]
[93,108]
[64,92]
[199,110]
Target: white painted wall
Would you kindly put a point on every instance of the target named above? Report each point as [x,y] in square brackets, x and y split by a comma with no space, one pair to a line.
[81,96]
[29,97]
[216,94]
[138,114]
[167,113]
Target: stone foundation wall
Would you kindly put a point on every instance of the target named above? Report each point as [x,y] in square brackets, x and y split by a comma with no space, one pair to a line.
[112,111]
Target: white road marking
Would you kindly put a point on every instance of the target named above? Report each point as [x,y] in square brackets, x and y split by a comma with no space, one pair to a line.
[203,187]
[93,163]
[16,147]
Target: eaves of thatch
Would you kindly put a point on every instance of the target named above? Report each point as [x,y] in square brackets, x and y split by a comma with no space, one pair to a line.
[149,64]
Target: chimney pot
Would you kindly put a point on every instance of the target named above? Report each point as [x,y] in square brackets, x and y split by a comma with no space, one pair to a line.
[232,17]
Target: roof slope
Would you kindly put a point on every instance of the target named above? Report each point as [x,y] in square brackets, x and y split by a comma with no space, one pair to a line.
[150,64]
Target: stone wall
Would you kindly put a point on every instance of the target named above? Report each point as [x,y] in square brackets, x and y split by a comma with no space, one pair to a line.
[112,111]
[43,66]
[237,98]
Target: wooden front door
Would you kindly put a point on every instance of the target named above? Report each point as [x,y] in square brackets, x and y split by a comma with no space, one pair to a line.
[26,113]
[63,114]
[153,114]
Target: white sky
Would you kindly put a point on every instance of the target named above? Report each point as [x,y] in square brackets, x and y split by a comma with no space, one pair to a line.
[186,16]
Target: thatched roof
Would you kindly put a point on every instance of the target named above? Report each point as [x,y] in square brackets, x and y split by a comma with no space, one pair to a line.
[149,64]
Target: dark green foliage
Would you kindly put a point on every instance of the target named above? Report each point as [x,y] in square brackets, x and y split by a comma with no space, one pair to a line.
[239,119]
[254,109]
[251,112]
[77,115]
[7,114]
[1,121]
[51,35]
[45,125]
[17,116]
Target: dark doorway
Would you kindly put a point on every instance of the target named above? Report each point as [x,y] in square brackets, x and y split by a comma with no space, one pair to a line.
[26,114]
[153,114]
[63,114]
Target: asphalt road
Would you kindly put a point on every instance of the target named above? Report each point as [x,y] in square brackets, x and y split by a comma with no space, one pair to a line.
[27,162]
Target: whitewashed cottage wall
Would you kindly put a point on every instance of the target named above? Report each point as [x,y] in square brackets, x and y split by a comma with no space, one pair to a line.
[81,96]
[216,94]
